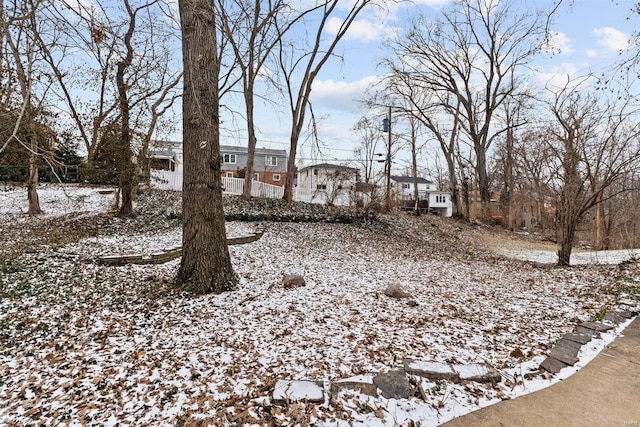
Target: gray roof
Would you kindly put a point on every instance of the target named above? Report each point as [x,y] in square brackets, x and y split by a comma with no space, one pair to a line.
[409,179]
[260,159]
[163,154]
[237,149]
[328,166]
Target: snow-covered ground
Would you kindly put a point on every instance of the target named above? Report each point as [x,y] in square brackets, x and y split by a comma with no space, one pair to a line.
[578,257]
[86,344]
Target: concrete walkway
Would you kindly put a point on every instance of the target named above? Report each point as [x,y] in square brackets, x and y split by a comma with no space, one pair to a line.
[606,392]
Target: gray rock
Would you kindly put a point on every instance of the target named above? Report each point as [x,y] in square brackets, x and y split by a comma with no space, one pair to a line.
[579,338]
[394,385]
[431,370]
[478,372]
[292,281]
[568,344]
[596,326]
[552,365]
[299,390]
[625,314]
[396,291]
[412,303]
[566,351]
[586,331]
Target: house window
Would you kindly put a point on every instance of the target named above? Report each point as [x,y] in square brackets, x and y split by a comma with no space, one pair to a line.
[229,158]
[256,177]
[315,172]
[321,186]
[276,177]
[406,186]
[271,161]
[229,174]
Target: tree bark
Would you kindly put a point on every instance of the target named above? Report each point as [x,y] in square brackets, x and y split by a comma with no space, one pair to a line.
[206,265]
[125,182]
[32,184]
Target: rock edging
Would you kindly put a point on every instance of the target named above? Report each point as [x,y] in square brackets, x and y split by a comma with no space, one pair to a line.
[565,351]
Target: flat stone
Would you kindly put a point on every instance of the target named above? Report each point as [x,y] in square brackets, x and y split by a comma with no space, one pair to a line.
[569,345]
[361,384]
[596,326]
[565,353]
[625,314]
[394,385]
[579,338]
[297,390]
[431,370]
[586,331]
[478,372]
[618,316]
[552,365]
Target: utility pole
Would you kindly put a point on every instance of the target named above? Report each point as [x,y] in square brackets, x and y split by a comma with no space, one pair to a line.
[386,127]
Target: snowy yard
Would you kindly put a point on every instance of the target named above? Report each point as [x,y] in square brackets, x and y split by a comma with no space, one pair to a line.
[86,344]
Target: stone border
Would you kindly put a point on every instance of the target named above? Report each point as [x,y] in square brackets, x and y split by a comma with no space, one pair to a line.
[168,254]
[565,351]
[393,384]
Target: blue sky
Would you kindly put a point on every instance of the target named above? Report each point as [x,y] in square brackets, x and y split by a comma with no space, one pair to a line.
[590,36]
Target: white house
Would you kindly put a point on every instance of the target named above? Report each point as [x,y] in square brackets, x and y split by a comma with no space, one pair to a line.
[403,187]
[429,197]
[327,183]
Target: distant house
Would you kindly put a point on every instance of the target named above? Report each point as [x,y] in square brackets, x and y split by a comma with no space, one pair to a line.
[403,187]
[166,155]
[269,165]
[327,183]
[430,199]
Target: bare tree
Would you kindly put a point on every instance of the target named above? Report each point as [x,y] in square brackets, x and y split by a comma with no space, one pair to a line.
[470,56]
[206,265]
[594,143]
[369,131]
[311,61]
[18,28]
[250,30]
[423,104]
[132,44]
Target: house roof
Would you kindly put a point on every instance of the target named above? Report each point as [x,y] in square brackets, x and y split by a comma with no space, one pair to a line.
[163,154]
[328,166]
[409,179]
[259,151]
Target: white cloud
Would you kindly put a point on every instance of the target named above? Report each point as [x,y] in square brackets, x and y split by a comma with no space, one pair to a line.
[558,43]
[592,53]
[360,29]
[558,77]
[433,3]
[611,38]
[341,95]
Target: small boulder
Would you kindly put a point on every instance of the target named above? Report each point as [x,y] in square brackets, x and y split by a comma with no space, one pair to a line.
[292,281]
[394,385]
[396,291]
[430,370]
[478,372]
[295,391]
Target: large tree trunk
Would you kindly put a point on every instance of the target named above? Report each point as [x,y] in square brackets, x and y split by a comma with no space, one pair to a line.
[565,245]
[289,182]
[483,186]
[206,264]
[125,182]
[251,146]
[32,183]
